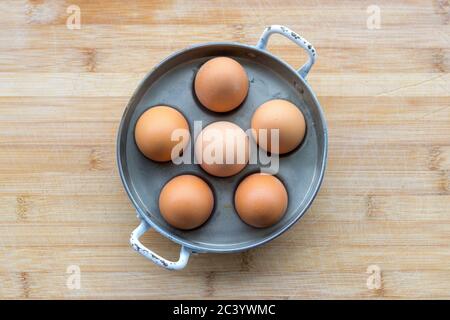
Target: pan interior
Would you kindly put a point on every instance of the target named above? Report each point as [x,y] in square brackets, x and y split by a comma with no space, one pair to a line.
[171,83]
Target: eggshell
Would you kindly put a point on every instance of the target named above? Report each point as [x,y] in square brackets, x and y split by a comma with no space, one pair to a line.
[186,202]
[282,115]
[221,84]
[261,200]
[153,132]
[222,149]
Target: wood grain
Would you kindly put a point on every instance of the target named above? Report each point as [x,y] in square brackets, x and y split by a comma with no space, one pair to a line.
[385,200]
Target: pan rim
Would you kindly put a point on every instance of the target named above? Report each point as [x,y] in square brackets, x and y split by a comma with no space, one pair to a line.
[199,248]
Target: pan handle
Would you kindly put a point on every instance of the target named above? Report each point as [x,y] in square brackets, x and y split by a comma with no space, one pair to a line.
[155,258]
[291,35]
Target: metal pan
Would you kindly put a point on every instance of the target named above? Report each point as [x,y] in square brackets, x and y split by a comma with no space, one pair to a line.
[171,83]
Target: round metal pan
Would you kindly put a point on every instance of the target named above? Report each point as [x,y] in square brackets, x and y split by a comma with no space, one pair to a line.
[171,83]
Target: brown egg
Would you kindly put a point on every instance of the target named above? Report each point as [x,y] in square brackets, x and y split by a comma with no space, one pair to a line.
[186,202]
[261,200]
[282,115]
[154,129]
[221,84]
[222,149]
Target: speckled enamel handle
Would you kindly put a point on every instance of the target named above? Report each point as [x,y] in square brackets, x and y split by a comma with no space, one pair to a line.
[155,258]
[288,33]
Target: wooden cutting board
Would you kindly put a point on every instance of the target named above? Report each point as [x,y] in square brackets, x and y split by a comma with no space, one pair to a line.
[380,226]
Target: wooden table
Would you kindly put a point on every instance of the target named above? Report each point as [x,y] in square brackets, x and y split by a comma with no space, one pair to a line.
[384,204]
